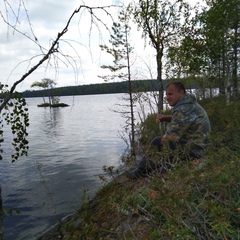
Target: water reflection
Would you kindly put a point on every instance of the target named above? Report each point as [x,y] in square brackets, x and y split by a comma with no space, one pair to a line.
[50,121]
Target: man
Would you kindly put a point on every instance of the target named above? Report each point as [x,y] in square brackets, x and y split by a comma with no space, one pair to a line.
[187,131]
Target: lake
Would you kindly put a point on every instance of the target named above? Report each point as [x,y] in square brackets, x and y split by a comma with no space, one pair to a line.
[68,148]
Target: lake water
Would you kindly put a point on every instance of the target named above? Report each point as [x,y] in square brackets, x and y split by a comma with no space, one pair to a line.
[68,148]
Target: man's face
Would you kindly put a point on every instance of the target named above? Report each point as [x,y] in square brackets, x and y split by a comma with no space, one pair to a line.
[173,96]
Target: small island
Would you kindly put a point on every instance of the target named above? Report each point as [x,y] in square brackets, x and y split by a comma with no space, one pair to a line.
[56,105]
[53,101]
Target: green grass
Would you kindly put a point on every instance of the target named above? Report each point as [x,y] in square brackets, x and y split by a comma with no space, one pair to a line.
[197,200]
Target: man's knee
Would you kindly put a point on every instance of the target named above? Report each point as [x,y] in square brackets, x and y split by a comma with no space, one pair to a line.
[157,142]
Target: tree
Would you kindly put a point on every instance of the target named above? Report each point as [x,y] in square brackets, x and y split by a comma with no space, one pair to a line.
[189,59]
[210,48]
[161,23]
[221,25]
[120,50]
[48,84]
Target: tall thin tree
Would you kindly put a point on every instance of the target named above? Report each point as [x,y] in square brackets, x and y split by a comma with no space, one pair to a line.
[120,50]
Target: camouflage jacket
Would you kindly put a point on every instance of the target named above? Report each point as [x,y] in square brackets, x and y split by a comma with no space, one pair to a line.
[190,125]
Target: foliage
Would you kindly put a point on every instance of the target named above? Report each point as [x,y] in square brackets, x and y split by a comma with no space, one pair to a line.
[161,24]
[46,83]
[196,200]
[119,49]
[15,114]
[210,46]
[147,129]
[222,22]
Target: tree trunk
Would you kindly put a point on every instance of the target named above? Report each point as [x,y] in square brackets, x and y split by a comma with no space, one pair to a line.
[235,66]
[159,79]
[133,150]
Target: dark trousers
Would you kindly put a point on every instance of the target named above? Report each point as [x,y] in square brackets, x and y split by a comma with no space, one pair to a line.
[148,162]
[155,161]
[157,142]
[156,145]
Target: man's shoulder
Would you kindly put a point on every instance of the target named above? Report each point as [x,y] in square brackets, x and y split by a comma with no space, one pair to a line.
[186,108]
[188,112]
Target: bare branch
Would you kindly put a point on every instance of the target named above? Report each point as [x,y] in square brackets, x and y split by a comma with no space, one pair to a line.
[55,44]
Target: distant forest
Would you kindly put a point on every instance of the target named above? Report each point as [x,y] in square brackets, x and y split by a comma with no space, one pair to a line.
[101,88]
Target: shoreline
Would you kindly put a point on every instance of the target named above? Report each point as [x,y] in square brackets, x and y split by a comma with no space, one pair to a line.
[57,230]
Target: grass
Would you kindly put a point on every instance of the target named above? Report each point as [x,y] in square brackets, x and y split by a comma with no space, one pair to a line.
[197,200]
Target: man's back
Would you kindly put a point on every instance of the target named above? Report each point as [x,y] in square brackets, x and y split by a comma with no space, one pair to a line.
[190,125]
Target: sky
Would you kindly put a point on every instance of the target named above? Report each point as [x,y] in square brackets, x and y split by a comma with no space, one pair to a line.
[79,59]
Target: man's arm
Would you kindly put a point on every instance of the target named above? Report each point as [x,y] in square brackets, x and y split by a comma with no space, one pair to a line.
[179,124]
[163,118]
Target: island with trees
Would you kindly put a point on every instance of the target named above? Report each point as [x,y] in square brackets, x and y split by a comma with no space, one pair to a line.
[53,101]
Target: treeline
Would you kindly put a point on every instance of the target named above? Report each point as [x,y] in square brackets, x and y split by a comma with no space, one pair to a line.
[101,88]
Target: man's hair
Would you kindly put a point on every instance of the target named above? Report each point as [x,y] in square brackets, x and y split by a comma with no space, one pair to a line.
[178,85]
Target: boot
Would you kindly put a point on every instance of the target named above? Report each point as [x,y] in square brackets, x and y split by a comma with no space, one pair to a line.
[141,171]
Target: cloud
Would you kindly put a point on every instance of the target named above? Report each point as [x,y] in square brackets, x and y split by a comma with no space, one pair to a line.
[50,13]
[81,57]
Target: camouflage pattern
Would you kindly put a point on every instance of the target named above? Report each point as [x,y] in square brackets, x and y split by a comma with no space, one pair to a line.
[190,126]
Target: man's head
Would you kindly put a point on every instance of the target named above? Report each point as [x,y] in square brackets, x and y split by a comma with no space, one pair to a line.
[174,91]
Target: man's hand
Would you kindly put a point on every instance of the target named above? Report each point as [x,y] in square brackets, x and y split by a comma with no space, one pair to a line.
[163,118]
[166,138]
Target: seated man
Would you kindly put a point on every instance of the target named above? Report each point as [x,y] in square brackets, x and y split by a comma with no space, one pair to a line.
[188,129]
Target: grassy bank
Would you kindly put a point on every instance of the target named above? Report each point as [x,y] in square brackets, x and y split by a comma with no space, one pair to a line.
[196,200]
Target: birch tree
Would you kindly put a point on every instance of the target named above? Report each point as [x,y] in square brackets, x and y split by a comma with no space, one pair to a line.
[161,24]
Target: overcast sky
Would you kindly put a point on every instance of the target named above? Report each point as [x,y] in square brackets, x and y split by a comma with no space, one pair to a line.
[18,53]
